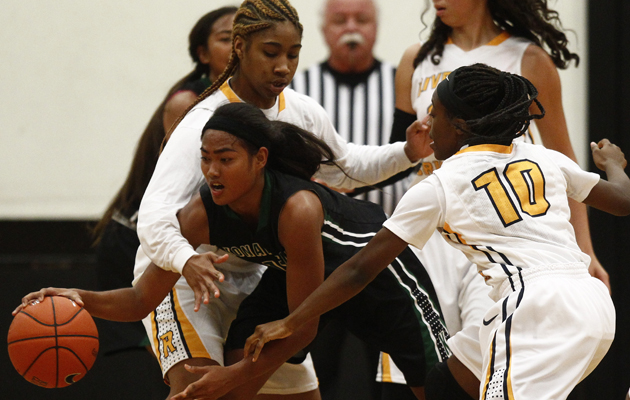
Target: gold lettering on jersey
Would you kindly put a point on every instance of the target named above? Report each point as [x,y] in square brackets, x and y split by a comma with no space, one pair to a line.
[258,250]
[528,183]
[248,251]
[235,250]
[167,344]
[279,261]
[501,201]
[427,168]
[433,80]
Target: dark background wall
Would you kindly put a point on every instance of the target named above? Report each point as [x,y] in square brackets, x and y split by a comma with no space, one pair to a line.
[36,254]
[609,117]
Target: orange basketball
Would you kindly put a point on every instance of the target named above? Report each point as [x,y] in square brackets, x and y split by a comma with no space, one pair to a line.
[54,343]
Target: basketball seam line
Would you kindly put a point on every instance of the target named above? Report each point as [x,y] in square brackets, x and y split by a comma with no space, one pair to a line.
[54,323]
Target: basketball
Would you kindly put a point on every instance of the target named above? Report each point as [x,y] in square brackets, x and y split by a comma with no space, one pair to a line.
[53,344]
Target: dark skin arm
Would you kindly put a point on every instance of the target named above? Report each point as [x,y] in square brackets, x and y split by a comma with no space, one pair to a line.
[135,303]
[538,67]
[193,222]
[347,280]
[126,304]
[612,195]
[305,272]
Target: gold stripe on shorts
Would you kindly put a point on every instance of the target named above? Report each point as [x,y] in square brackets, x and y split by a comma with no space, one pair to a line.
[387,369]
[193,341]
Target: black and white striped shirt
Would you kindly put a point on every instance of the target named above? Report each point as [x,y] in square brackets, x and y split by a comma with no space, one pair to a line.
[361,107]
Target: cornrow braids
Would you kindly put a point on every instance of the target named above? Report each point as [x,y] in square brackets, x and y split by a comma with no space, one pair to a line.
[252,16]
[530,19]
[501,98]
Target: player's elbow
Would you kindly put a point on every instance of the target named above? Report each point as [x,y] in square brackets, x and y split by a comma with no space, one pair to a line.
[623,209]
[621,206]
[308,332]
[358,277]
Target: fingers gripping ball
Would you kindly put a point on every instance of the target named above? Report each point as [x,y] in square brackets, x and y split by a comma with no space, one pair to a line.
[54,343]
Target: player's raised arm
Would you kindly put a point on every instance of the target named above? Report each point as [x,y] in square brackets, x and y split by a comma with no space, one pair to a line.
[612,195]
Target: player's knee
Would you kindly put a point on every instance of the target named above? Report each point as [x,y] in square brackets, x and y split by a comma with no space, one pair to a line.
[441,385]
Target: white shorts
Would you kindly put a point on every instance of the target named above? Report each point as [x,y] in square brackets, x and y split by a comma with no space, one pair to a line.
[543,338]
[179,333]
[465,346]
[464,300]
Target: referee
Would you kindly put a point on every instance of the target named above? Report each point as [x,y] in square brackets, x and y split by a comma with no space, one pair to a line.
[355,88]
[357,92]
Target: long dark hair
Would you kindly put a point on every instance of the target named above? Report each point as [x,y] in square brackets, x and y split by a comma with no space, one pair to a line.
[252,16]
[292,150]
[502,99]
[530,19]
[127,200]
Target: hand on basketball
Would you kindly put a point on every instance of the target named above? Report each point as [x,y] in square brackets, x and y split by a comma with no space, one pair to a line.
[418,140]
[605,152]
[200,274]
[265,333]
[38,297]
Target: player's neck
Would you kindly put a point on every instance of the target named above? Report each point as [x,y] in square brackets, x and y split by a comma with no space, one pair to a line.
[247,92]
[475,34]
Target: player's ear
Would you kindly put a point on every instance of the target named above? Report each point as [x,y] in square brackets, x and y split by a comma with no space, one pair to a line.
[204,54]
[239,46]
[260,159]
[460,129]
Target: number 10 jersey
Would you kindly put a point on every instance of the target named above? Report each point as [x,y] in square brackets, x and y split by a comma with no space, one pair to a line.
[505,207]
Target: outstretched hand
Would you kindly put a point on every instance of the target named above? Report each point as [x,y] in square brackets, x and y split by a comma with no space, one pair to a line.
[418,140]
[37,297]
[214,383]
[605,152]
[201,275]
[265,333]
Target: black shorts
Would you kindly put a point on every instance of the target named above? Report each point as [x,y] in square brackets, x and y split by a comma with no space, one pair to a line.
[397,312]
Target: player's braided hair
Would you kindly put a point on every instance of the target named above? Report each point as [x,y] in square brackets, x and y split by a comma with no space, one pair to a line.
[502,99]
[292,150]
[252,16]
[530,19]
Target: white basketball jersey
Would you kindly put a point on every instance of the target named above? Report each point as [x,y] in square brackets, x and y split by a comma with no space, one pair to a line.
[505,207]
[504,52]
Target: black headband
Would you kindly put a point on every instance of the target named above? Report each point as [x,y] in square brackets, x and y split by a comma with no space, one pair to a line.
[237,128]
[454,104]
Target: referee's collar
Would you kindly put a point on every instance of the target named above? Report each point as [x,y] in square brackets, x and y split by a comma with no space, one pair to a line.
[352,78]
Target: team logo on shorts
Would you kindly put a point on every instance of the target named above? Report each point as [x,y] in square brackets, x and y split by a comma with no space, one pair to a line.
[167,344]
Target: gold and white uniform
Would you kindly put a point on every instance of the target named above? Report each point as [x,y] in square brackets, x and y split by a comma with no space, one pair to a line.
[506,209]
[463,296]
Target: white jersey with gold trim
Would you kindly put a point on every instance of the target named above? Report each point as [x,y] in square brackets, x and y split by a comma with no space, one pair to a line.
[504,52]
[505,207]
[178,176]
